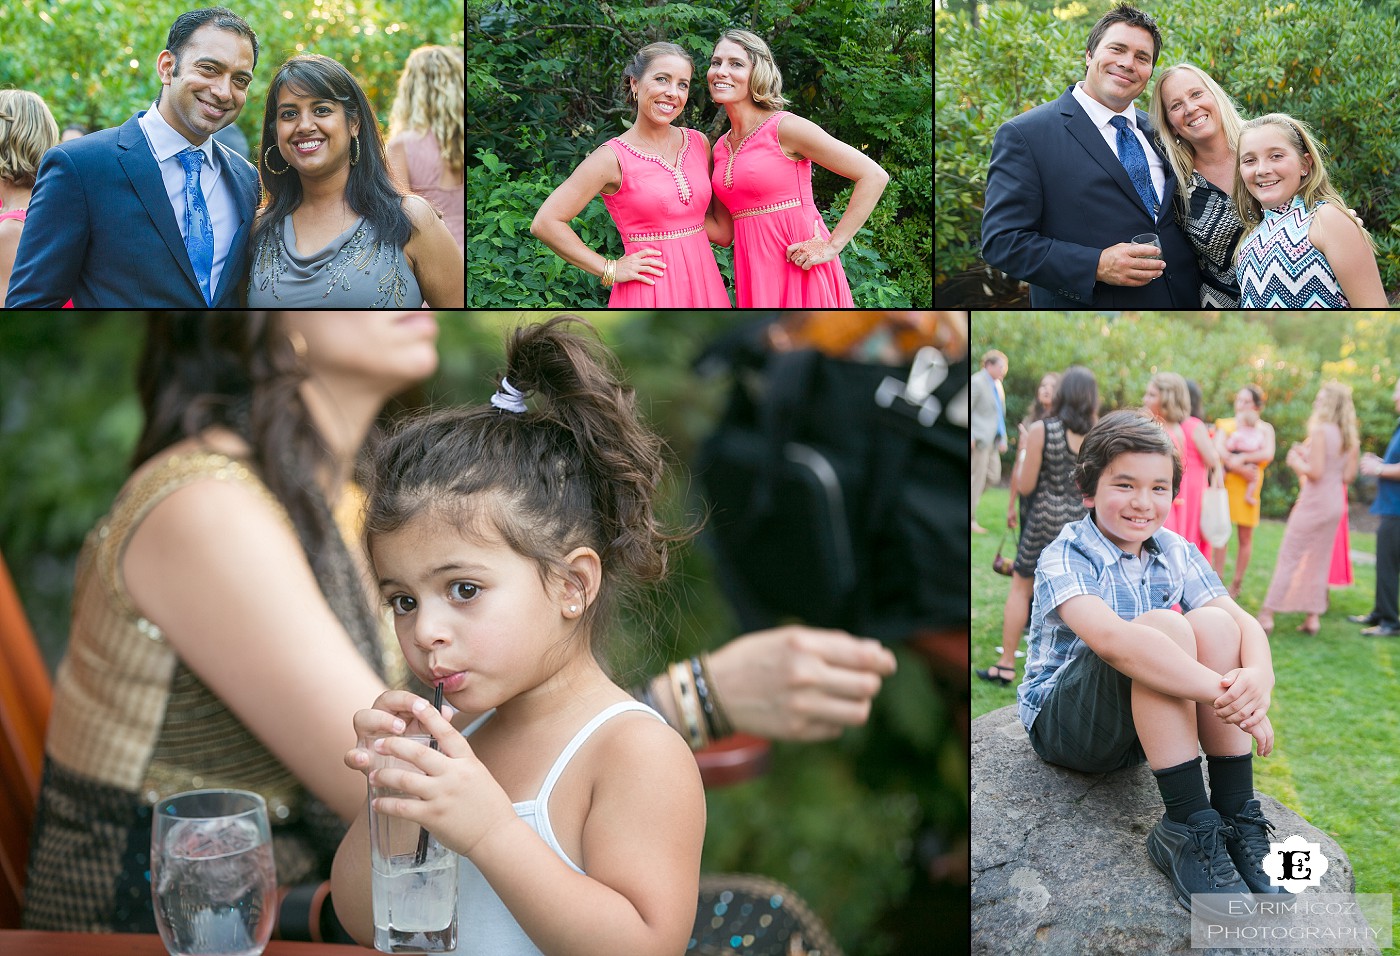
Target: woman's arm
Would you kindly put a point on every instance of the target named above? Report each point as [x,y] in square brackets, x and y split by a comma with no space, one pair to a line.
[1352,261]
[719,227]
[1205,447]
[551,223]
[809,141]
[434,256]
[224,577]
[1026,475]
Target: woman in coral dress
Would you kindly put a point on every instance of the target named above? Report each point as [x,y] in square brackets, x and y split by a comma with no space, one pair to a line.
[655,181]
[784,255]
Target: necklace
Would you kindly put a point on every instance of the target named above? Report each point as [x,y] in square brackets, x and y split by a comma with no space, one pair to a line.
[660,152]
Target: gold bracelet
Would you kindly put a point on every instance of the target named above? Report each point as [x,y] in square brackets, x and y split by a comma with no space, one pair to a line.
[609,273]
[687,707]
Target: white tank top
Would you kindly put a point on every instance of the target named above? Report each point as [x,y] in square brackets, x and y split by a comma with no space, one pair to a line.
[484,925]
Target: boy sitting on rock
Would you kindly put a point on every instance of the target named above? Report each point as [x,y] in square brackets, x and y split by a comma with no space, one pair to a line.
[1114,675]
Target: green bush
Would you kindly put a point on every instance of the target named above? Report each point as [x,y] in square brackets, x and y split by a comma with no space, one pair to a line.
[542,96]
[1313,59]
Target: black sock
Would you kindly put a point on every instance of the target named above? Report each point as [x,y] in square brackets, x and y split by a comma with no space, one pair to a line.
[1231,783]
[1183,790]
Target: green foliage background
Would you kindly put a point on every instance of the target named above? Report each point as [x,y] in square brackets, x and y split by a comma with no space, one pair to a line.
[1289,355]
[1318,60]
[544,90]
[79,54]
[839,822]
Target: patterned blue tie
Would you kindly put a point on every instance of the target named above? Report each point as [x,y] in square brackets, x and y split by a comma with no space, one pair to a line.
[1134,160]
[199,231]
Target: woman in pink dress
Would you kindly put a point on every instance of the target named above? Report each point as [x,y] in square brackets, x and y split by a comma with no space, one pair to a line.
[1168,399]
[655,181]
[1305,556]
[784,256]
[424,148]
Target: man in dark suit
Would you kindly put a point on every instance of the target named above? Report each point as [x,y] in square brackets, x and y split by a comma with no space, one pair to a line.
[1071,182]
[153,213]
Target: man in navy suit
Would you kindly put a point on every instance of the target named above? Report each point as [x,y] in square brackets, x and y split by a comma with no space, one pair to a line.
[155,212]
[1070,184]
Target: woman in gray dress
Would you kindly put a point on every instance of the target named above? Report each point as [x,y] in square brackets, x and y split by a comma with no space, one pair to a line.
[335,229]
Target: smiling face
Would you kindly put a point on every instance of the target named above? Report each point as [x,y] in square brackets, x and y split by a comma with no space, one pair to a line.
[1271,167]
[313,132]
[1133,498]
[663,89]
[1119,68]
[728,75]
[471,613]
[208,91]
[1192,111]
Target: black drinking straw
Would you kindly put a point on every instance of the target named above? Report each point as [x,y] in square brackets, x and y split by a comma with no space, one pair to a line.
[420,857]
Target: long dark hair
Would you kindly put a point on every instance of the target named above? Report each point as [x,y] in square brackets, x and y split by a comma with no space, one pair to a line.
[580,469]
[370,191]
[244,375]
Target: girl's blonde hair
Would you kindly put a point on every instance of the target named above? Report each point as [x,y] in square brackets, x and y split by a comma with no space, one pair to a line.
[1336,406]
[27,131]
[1176,397]
[1180,152]
[765,79]
[429,99]
[1316,187]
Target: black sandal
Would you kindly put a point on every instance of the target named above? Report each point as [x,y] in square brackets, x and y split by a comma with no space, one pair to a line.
[996,677]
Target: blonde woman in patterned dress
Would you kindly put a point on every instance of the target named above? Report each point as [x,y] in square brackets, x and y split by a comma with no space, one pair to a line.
[655,180]
[784,256]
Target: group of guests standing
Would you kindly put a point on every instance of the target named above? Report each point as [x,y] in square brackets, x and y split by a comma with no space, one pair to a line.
[1315,552]
[671,196]
[159,213]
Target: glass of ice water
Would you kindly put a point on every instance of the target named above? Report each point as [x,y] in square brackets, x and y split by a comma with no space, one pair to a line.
[1150,239]
[212,875]
[414,877]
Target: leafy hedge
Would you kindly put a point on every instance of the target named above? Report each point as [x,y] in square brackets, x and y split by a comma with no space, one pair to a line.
[544,91]
[1314,59]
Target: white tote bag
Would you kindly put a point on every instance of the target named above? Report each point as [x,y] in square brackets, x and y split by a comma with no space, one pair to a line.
[1215,516]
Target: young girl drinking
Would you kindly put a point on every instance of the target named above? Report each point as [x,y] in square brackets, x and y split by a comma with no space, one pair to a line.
[1305,252]
[501,537]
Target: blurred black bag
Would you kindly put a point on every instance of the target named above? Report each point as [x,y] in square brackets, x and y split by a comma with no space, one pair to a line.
[838,490]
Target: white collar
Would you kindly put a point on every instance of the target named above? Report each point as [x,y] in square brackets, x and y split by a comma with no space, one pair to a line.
[166,142]
[1099,114]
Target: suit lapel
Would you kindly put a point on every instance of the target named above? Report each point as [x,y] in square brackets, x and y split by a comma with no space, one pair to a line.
[1080,127]
[139,164]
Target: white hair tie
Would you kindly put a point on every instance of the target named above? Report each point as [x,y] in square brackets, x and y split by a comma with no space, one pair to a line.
[508,398]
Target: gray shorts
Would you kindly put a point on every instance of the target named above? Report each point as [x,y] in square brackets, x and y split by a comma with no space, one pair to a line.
[1087,721]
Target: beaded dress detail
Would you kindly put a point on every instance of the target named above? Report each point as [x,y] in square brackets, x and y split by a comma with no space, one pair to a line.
[769,196]
[354,269]
[1280,268]
[663,207]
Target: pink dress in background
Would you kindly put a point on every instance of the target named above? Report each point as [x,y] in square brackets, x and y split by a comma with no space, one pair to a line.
[1340,575]
[770,198]
[1185,516]
[424,157]
[18,215]
[1305,556]
[663,207]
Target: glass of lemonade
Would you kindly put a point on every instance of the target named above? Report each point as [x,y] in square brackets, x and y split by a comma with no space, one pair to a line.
[414,877]
[213,881]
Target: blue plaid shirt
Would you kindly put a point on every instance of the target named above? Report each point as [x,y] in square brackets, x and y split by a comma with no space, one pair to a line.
[1170,570]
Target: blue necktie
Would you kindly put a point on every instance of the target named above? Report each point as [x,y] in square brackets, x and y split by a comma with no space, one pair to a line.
[1134,160]
[199,230]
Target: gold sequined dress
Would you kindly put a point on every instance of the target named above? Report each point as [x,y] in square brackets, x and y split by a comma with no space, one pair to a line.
[131,725]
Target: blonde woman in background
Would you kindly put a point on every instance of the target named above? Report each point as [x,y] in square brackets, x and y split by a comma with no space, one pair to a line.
[426,131]
[27,130]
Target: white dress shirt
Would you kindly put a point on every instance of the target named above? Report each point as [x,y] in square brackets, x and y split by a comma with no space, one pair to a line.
[1101,116]
[218,189]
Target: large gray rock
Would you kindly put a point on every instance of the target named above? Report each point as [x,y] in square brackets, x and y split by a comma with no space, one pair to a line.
[1059,858]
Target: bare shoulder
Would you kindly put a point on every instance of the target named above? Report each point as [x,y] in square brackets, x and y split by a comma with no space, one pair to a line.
[419,211]
[638,741]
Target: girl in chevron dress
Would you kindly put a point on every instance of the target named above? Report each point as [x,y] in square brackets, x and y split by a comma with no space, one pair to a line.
[1304,251]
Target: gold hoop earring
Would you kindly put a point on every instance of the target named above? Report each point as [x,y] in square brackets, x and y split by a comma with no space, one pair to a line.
[267,163]
[298,343]
[355,144]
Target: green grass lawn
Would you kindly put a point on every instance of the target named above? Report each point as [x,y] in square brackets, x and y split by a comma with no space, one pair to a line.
[1335,710]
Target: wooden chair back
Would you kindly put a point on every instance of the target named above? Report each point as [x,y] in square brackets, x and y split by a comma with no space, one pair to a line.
[26,695]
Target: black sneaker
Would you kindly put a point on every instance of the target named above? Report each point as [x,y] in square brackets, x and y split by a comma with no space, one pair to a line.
[1194,857]
[1247,841]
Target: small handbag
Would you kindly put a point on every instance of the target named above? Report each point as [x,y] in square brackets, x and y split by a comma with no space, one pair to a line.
[1003,565]
[1215,516]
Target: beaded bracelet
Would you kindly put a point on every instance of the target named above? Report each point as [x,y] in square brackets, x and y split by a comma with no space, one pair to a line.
[687,707]
[716,725]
